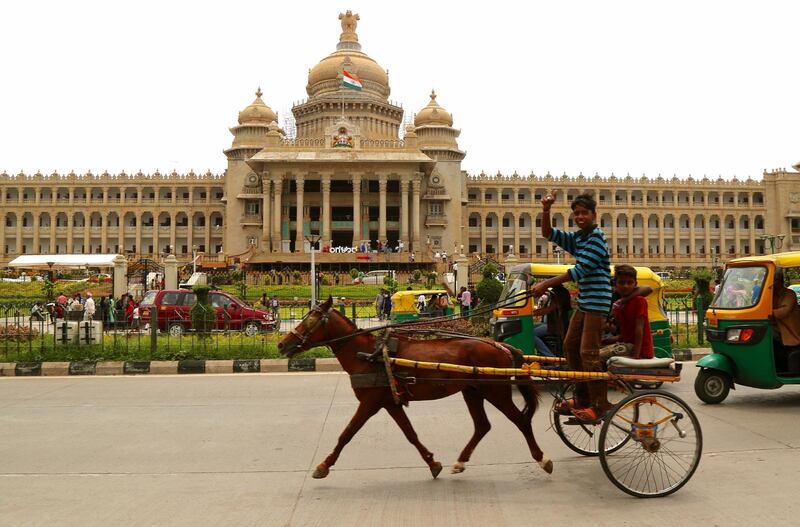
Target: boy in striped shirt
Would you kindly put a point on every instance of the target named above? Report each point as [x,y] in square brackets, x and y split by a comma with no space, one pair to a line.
[592,274]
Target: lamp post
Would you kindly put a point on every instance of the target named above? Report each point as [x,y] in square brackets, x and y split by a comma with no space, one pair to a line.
[312,240]
[775,241]
[194,259]
[558,251]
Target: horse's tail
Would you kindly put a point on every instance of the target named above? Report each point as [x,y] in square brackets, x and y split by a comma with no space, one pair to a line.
[528,391]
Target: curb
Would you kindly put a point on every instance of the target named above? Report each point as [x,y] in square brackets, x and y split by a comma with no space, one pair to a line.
[197,367]
[181,367]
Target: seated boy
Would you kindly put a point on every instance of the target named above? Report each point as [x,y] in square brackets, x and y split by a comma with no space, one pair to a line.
[630,314]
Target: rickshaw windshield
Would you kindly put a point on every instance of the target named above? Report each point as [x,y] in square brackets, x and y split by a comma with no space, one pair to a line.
[516,287]
[741,287]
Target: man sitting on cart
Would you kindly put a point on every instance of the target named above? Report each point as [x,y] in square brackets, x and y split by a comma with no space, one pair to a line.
[592,273]
[630,315]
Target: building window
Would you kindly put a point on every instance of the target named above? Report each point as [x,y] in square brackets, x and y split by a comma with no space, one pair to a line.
[473,248]
[252,207]
[435,209]
[521,222]
[473,222]
[252,241]
[506,222]
[488,222]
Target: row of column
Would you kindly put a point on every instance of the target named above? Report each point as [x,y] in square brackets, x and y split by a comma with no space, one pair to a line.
[272,188]
[105,196]
[104,237]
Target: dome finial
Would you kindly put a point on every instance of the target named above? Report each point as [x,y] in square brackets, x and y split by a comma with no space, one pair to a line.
[433,94]
[349,23]
[258,92]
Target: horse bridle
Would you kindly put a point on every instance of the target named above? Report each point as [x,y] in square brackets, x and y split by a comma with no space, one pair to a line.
[321,320]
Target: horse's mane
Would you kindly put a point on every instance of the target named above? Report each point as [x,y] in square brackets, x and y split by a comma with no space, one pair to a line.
[336,313]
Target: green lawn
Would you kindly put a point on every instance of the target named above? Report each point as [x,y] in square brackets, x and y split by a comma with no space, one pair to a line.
[303,292]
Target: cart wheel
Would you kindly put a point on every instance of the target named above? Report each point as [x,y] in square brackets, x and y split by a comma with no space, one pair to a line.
[712,386]
[583,438]
[663,446]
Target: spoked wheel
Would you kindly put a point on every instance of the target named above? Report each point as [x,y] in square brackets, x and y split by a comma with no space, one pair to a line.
[658,440]
[584,438]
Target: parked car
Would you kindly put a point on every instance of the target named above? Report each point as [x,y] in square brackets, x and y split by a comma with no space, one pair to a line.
[174,306]
[664,275]
[373,277]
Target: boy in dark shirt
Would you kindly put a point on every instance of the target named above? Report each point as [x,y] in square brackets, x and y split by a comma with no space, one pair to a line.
[630,314]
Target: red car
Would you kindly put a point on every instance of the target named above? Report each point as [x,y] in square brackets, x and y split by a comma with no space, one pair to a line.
[174,306]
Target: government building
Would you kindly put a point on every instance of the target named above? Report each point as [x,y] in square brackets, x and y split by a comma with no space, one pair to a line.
[357,176]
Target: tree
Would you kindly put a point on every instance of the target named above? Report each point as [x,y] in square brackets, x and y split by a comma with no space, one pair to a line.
[489,290]
[490,270]
[202,312]
[702,279]
[353,273]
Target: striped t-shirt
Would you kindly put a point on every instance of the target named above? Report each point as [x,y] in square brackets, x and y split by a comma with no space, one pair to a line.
[592,270]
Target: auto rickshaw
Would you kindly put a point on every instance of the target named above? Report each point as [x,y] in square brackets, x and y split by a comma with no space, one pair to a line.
[513,322]
[746,347]
[405,305]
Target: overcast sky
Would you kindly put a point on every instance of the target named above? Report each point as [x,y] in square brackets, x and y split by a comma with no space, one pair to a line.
[681,87]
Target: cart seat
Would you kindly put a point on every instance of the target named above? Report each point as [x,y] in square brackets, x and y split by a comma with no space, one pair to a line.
[656,366]
[627,362]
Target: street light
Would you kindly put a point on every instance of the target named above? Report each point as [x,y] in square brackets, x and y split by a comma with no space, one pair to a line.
[558,251]
[194,259]
[775,241]
[312,240]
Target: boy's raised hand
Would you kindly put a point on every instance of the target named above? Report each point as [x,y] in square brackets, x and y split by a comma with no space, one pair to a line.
[549,199]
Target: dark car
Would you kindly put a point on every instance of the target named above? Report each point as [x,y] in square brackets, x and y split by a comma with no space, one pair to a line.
[174,305]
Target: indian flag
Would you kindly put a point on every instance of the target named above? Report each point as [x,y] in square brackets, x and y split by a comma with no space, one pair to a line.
[349,80]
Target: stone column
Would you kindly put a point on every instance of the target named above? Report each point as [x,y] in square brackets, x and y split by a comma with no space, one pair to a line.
[358,235]
[209,250]
[737,237]
[104,229]
[37,195]
[69,227]
[416,185]
[3,228]
[120,276]
[482,248]
[613,250]
[170,272]
[662,247]
[691,239]
[87,234]
[707,223]
[175,198]
[646,235]
[173,235]
[155,232]
[299,237]
[751,230]
[515,220]
[383,182]
[36,233]
[265,212]
[277,240]
[190,234]
[19,234]
[71,195]
[325,228]
[404,212]
[139,246]
[105,195]
[139,196]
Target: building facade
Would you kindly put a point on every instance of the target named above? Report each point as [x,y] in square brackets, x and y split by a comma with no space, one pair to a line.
[356,177]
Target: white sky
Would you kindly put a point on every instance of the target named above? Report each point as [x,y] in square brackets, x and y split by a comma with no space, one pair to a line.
[684,87]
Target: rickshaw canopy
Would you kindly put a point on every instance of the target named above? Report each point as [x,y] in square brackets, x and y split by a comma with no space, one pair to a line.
[406,301]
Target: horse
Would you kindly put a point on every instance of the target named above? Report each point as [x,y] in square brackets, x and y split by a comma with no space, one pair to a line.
[324,326]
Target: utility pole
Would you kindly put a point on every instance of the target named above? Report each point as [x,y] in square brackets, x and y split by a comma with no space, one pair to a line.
[312,240]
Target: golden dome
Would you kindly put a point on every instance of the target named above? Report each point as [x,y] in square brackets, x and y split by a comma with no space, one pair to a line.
[257,112]
[327,75]
[433,114]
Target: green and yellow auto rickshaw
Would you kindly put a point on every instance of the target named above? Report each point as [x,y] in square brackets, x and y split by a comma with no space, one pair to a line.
[406,305]
[746,346]
[513,321]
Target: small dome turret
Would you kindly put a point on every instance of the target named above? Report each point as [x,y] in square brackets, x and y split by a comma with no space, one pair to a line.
[433,114]
[257,112]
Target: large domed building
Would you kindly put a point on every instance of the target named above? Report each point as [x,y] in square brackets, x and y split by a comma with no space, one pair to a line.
[354,176]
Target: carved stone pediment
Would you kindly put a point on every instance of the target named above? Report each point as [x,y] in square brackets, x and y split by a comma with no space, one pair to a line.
[343,134]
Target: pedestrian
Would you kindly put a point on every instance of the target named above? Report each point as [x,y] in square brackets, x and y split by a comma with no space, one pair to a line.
[400,246]
[465,302]
[104,306]
[89,307]
[474,301]
[379,304]
[387,304]
[412,258]
[130,306]
[275,306]
[592,273]
[263,301]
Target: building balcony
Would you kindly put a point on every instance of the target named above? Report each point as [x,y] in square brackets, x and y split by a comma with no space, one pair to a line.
[96,229]
[148,200]
[164,229]
[251,219]
[436,220]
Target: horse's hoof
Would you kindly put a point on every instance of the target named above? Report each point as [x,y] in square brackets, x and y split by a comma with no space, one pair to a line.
[436,467]
[547,465]
[458,468]
[320,472]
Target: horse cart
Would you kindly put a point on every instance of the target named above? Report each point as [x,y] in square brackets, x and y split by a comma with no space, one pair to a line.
[649,443]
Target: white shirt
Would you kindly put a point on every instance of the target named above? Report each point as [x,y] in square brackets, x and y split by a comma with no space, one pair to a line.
[89,306]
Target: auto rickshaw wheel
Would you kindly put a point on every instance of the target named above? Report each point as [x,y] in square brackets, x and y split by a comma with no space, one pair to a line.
[712,386]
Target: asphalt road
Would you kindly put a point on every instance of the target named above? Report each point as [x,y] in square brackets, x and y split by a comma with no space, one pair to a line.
[239,450]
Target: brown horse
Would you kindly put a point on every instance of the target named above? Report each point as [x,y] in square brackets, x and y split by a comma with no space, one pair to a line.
[322,324]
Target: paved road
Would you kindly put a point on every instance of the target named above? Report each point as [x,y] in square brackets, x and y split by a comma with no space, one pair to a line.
[238,450]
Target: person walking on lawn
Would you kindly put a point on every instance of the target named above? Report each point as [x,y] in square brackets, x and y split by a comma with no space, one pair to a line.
[592,274]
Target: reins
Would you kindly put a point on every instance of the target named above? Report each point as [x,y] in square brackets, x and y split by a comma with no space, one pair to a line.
[408,324]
